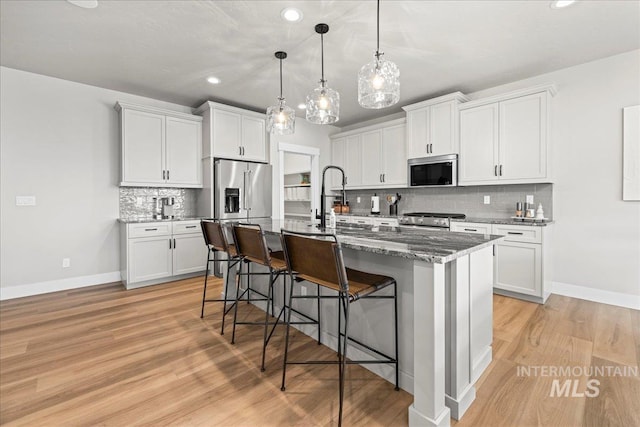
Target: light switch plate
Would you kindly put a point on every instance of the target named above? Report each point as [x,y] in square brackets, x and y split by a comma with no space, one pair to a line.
[529,198]
[25,200]
[487,200]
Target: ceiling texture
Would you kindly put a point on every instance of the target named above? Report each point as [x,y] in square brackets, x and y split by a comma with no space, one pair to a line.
[166,49]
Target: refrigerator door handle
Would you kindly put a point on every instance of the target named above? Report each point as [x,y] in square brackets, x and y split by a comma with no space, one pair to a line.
[249,191]
[243,190]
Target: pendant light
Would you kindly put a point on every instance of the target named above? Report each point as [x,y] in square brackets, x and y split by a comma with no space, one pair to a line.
[379,80]
[281,119]
[323,103]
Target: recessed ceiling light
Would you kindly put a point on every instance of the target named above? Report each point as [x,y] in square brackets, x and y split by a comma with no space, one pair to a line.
[302,106]
[291,14]
[213,80]
[85,4]
[559,4]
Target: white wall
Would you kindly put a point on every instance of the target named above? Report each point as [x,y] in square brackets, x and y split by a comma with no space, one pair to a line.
[596,233]
[59,141]
[296,163]
[307,134]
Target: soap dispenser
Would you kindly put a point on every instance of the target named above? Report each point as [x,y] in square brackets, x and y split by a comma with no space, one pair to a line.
[332,218]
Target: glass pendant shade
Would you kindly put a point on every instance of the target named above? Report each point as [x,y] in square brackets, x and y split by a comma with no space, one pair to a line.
[281,119]
[379,80]
[378,83]
[323,105]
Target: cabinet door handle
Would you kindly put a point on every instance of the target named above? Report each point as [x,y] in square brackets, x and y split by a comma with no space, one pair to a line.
[164,174]
[470,229]
[380,177]
[150,229]
[384,177]
[500,170]
[170,244]
[168,175]
[495,170]
[174,243]
[426,148]
[431,148]
[239,151]
[515,232]
[191,226]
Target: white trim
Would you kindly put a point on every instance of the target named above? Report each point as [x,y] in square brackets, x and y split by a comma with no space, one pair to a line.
[597,295]
[38,288]
[376,126]
[455,96]
[549,88]
[314,152]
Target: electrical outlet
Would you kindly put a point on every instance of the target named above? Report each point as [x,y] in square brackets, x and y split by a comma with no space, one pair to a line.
[358,199]
[487,200]
[66,262]
[25,200]
[529,198]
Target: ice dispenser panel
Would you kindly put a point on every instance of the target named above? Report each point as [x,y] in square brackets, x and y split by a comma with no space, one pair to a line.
[231,200]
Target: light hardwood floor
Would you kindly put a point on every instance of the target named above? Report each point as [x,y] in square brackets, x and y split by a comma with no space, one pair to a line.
[106,356]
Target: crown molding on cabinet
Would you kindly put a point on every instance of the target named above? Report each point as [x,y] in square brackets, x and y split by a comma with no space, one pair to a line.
[210,105]
[154,110]
[550,88]
[369,128]
[455,96]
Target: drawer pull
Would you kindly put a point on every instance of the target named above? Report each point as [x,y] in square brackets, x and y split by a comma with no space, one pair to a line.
[515,232]
[470,229]
[360,222]
[191,226]
[150,229]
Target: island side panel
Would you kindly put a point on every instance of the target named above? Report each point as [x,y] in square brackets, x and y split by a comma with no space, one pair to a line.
[428,408]
[481,310]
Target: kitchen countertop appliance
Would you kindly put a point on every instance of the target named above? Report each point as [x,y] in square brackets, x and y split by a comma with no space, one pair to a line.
[434,220]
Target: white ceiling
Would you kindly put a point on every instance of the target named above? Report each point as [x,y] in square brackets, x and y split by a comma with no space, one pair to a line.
[166,49]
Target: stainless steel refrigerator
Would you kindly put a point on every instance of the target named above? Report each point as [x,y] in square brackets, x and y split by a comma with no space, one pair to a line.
[235,190]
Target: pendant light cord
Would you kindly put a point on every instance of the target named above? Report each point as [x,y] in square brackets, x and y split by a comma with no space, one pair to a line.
[378,32]
[322,57]
[281,79]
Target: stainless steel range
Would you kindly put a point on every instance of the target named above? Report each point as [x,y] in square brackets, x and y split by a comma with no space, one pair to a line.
[429,219]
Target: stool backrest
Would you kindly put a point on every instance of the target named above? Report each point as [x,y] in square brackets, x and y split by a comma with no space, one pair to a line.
[214,235]
[315,257]
[251,244]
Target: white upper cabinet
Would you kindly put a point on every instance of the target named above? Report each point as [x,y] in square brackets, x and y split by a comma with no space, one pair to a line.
[432,126]
[159,148]
[503,139]
[337,159]
[233,133]
[372,157]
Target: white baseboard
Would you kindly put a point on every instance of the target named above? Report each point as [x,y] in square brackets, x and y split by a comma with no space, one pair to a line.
[30,289]
[597,295]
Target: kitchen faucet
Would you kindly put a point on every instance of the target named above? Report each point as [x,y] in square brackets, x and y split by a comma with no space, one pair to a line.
[323,196]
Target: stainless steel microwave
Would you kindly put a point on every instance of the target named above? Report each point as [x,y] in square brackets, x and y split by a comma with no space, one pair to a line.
[435,171]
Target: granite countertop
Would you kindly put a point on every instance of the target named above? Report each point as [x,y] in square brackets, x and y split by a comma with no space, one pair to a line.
[506,221]
[434,246]
[143,220]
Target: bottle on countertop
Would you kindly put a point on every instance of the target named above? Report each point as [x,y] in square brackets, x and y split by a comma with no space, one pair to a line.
[332,218]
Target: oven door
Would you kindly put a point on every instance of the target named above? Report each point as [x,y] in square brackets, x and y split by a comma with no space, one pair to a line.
[436,171]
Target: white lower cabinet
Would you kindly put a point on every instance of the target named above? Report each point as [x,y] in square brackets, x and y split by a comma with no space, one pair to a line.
[522,261]
[157,252]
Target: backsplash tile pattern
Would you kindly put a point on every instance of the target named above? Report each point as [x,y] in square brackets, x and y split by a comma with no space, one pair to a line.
[139,203]
[466,200]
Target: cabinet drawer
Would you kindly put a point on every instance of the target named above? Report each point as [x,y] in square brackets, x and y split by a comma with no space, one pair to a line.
[388,222]
[341,220]
[361,220]
[519,233]
[186,227]
[149,229]
[471,227]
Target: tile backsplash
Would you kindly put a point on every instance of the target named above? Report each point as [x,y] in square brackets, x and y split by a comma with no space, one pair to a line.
[466,200]
[139,203]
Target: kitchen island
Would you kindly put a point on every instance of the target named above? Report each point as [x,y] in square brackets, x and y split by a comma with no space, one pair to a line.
[445,309]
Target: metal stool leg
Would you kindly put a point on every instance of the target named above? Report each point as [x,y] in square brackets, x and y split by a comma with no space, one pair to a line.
[266,318]
[319,299]
[235,311]
[286,339]
[226,295]
[344,301]
[206,277]
[395,314]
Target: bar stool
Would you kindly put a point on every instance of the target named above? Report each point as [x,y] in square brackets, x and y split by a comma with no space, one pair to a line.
[252,247]
[216,241]
[317,258]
